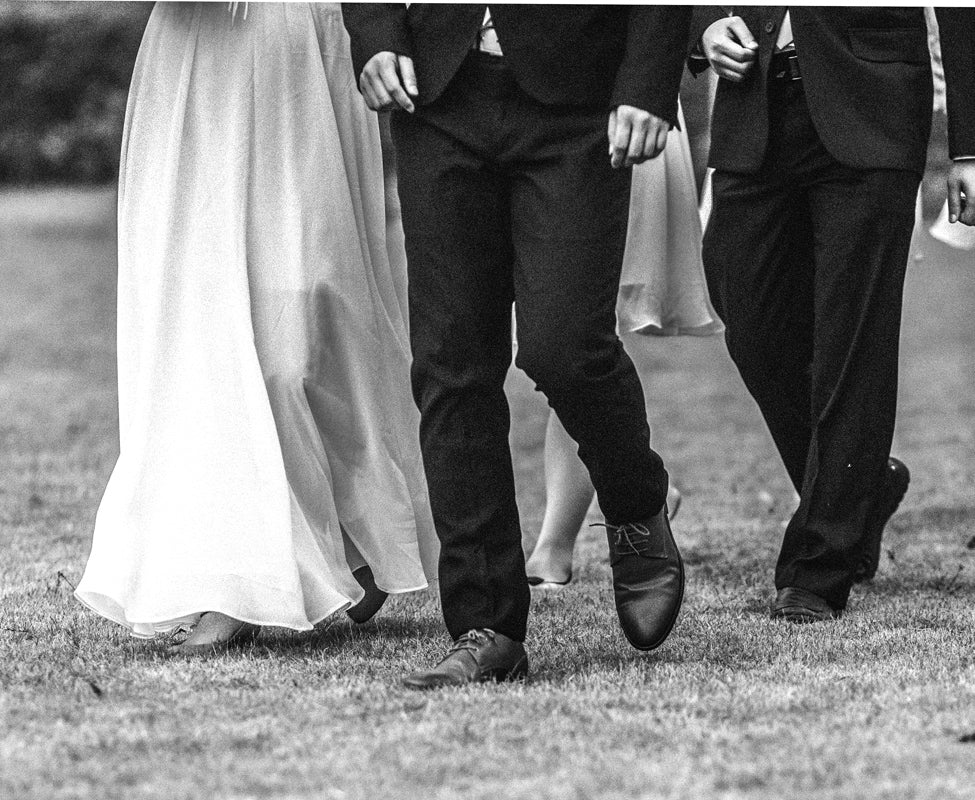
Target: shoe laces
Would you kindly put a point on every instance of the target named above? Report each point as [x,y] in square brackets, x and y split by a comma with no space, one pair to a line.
[631,538]
[472,641]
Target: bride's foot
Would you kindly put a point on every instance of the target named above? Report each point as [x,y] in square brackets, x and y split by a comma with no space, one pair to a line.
[549,567]
[373,600]
[216,633]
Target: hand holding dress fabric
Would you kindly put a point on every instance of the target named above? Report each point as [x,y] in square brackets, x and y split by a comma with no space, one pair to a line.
[961,192]
[635,136]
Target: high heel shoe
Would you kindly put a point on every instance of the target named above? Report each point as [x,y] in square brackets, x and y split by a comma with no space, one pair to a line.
[373,600]
[235,634]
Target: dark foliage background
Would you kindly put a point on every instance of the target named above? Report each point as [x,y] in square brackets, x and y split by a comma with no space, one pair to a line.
[64,76]
[65,69]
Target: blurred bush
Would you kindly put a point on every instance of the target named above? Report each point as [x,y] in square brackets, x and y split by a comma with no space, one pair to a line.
[64,77]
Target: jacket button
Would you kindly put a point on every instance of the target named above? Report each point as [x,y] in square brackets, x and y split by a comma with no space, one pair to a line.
[769,26]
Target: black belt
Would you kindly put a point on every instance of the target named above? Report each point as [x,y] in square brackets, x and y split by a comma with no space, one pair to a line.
[784,67]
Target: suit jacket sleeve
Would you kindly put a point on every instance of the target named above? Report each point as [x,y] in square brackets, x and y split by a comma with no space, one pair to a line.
[656,45]
[957,30]
[374,28]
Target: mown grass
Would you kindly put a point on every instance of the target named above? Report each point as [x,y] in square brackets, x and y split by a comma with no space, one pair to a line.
[733,706]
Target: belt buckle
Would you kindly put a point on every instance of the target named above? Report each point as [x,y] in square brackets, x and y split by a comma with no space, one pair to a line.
[787,66]
[793,68]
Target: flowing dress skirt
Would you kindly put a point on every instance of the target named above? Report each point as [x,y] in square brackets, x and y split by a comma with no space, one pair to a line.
[663,290]
[268,438]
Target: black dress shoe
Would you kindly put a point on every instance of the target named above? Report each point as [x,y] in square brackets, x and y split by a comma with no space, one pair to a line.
[648,579]
[898,477]
[799,605]
[372,600]
[479,656]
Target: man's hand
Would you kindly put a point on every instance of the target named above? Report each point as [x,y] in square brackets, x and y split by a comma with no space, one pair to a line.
[635,136]
[961,181]
[730,47]
[388,81]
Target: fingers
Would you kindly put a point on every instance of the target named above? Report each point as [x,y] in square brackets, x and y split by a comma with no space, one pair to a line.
[408,74]
[967,191]
[954,198]
[737,27]
[656,139]
[381,84]
[611,131]
[967,216]
[661,138]
[967,205]
[635,136]
[961,192]
[968,213]
[731,61]
[374,92]
[389,74]
[638,140]
[620,143]
[730,48]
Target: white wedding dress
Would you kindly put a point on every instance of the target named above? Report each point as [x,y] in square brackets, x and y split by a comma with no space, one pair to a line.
[268,436]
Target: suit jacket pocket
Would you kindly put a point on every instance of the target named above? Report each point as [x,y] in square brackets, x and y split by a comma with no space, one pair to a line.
[909,45]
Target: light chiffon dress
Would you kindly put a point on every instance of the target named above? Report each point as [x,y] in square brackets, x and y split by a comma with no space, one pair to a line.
[663,290]
[268,437]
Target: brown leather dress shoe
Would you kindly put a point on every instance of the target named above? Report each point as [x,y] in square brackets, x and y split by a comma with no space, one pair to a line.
[480,655]
[648,579]
[898,478]
[799,605]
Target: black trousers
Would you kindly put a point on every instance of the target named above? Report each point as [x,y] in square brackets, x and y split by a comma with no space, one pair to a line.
[504,200]
[805,260]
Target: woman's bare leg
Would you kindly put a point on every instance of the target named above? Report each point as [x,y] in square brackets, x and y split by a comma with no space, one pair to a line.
[568,495]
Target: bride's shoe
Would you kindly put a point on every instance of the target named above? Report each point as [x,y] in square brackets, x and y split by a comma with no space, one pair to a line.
[373,600]
[216,633]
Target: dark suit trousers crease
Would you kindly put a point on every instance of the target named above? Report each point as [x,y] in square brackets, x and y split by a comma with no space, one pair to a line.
[806,261]
[505,199]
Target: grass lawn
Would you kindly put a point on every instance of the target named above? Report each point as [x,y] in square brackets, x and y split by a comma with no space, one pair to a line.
[734,706]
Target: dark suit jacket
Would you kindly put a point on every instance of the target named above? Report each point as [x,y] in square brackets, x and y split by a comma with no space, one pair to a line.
[866,73]
[560,55]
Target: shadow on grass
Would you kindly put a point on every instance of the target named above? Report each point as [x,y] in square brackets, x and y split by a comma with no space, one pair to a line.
[934,518]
